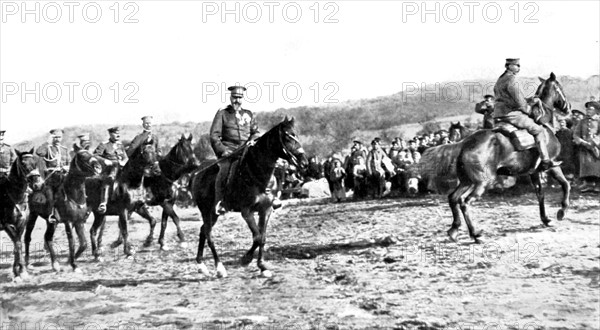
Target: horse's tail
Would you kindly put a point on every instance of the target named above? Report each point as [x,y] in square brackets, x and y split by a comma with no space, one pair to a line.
[440,161]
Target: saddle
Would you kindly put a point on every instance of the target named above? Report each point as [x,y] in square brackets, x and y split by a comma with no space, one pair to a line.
[520,138]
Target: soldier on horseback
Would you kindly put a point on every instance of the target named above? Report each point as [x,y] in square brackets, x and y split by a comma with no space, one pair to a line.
[511,107]
[55,157]
[146,137]
[232,128]
[7,157]
[113,155]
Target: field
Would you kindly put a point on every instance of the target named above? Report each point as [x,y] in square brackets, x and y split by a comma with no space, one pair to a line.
[384,264]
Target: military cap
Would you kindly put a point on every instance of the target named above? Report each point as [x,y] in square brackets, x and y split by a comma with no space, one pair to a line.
[514,61]
[574,111]
[489,96]
[592,104]
[237,90]
[83,137]
[2,132]
[115,129]
[57,131]
[357,142]
[376,141]
[147,118]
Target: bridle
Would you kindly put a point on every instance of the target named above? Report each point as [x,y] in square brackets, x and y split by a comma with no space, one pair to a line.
[287,151]
[551,108]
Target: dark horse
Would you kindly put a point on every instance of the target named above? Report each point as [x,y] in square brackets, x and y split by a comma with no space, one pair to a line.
[249,192]
[179,161]
[123,200]
[14,208]
[487,153]
[71,205]
[457,131]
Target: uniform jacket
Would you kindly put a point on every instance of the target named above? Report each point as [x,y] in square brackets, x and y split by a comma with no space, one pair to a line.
[508,95]
[146,137]
[231,130]
[53,157]
[7,157]
[375,159]
[587,130]
[112,151]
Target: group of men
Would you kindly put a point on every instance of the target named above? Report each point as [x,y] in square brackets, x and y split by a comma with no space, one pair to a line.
[55,158]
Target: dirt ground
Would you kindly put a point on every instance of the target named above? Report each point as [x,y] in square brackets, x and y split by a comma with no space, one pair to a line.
[375,264]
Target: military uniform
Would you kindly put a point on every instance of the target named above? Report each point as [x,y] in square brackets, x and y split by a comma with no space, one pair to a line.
[144,138]
[7,157]
[587,136]
[55,161]
[229,131]
[114,152]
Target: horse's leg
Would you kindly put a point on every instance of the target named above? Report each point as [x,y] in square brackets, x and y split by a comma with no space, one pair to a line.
[93,232]
[163,227]
[49,244]
[454,199]
[208,225]
[31,219]
[142,210]
[171,212]
[80,230]
[539,191]
[249,217]
[206,214]
[263,219]
[557,173]
[124,232]
[69,231]
[475,192]
[19,269]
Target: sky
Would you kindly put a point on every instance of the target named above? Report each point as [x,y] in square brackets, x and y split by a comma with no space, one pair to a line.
[111,63]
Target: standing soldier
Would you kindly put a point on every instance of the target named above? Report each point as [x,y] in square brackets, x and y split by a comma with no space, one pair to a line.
[587,137]
[7,157]
[113,155]
[232,128]
[55,159]
[146,137]
[512,108]
[486,108]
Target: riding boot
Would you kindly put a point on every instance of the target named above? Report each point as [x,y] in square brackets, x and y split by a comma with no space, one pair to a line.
[220,183]
[50,197]
[546,163]
[103,198]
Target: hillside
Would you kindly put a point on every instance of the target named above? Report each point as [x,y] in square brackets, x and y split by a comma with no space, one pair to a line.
[327,129]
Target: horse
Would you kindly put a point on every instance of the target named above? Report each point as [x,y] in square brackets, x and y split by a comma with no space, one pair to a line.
[71,205]
[437,167]
[457,131]
[249,191]
[179,161]
[13,206]
[124,198]
[488,153]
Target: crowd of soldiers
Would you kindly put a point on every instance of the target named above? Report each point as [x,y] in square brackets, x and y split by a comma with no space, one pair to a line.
[364,169]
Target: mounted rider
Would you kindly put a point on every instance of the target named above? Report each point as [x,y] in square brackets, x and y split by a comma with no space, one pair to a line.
[7,157]
[55,161]
[232,128]
[113,155]
[511,107]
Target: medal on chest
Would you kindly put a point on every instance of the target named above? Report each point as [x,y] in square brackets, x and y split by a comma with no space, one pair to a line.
[242,119]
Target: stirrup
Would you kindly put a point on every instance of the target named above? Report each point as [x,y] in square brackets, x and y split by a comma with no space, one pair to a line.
[52,218]
[276,203]
[102,208]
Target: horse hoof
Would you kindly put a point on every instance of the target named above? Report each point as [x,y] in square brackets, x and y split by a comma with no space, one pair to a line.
[77,270]
[24,274]
[478,240]
[453,235]
[202,269]
[546,222]
[116,244]
[266,273]
[165,248]
[560,215]
[184,245]
[221,272]
[246,260]
[99,259]
[18,279]
[148,243]
[56,266]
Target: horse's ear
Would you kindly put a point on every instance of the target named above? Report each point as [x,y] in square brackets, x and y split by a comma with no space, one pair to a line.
[18,153]
[190,137]
[542,80]
[182,136]
[76,147]
[552,76]
[31,151]
[458,123]
[292,119]
[286,119]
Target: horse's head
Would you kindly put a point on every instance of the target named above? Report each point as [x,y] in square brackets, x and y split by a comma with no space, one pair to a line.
[183,152]
[25,163]
[552,97]
[292,150]
[144,158]
[457,131]
[84,163]
[35,181]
